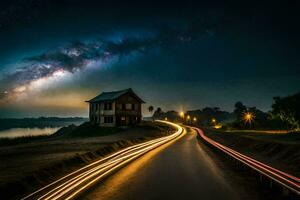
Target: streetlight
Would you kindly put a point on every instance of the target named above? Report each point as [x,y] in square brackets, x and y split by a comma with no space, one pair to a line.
[248,117]
[188,119]
[213,120]
[181,114]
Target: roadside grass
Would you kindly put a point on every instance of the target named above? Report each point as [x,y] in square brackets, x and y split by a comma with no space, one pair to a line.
[285,137]
[43,176]
[21,140]
[247,181]
[281,151]
[86,130]
[260,131]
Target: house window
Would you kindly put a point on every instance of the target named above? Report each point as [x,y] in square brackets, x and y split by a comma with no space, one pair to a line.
[108,106]
[108,119]
[128,106]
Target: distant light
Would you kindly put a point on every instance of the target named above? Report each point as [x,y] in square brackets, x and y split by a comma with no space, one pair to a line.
[218,126]
[195,119]
[213,120]
[188,117]
[166,118]
[248,117]
[181,114]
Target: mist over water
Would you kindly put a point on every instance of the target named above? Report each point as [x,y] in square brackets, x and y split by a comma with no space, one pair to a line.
[23,132]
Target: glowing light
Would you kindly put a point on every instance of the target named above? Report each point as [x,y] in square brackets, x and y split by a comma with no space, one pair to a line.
[248,117]
[218,126]
[213,120]
[166,118]
[188,117]
[181,114]
[195,119]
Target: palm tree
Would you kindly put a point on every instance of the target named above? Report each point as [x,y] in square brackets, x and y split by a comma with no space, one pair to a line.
[150,108]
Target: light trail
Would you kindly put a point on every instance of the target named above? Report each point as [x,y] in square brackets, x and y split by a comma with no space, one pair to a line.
[76,182]
[114,160]
[288,181]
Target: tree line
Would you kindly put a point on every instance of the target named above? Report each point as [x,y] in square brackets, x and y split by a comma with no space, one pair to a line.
[285,114]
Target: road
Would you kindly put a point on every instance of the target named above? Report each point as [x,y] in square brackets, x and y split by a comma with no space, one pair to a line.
[180,170]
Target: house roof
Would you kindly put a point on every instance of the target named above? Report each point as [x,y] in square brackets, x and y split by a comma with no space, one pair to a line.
[110,96]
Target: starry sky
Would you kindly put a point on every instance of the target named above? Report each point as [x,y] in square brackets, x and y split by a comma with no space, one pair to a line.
[56,54]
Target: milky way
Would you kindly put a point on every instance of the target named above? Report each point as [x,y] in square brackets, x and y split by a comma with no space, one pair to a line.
[76,56]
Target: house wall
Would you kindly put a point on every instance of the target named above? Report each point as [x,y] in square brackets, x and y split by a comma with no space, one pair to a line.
[107,113]
[122,111]
[97,114]
[128,99]
[125,116]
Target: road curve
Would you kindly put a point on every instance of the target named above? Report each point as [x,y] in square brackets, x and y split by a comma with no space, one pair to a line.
[181,170]
[73,184]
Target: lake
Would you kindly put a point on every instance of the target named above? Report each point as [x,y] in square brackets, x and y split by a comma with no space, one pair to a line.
[21,132]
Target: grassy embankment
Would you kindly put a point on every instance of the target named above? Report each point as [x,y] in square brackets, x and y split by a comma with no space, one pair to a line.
[277,148]
[30,162]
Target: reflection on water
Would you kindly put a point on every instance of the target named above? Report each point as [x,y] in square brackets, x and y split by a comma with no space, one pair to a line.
[21,132]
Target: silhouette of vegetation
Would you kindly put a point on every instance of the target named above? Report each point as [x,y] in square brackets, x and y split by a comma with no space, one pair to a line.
[150,109]
[203,116]
[260,119]
[286,111]
[285,115]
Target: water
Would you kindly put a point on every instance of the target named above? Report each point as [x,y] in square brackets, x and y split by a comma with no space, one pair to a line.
[21,132]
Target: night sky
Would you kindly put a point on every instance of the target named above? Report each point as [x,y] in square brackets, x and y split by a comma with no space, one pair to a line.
[54,55]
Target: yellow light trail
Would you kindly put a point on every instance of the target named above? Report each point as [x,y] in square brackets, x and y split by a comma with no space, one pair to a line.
[74,183]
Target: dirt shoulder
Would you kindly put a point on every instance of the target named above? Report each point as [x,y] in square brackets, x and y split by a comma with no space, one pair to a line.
[26,166]
[281,151]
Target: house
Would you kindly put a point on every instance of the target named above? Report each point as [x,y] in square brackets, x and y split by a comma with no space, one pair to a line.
[118,108]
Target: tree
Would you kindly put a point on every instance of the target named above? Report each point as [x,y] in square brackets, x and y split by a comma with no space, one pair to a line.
[217,109]
[158,110]
[150,108]
[287,109]
[239,109]
[158,114]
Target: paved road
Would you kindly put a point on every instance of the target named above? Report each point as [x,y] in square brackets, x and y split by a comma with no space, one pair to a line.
[181,170]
